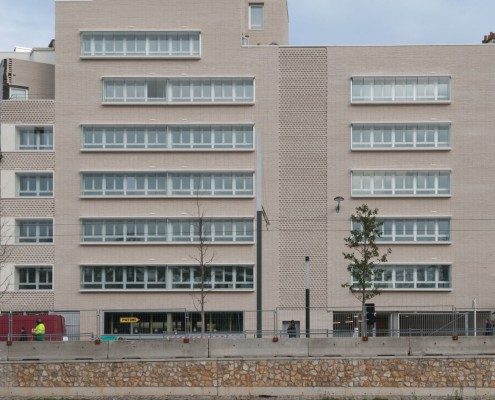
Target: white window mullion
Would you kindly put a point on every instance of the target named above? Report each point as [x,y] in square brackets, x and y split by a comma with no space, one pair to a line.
[169,231]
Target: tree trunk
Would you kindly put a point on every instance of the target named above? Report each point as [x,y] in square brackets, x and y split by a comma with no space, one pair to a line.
[364,321]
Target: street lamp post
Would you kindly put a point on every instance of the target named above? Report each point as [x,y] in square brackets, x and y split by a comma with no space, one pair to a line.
[308,286]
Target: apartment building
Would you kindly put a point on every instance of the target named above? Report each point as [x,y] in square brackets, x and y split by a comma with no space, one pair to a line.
[27,163]
[181,117]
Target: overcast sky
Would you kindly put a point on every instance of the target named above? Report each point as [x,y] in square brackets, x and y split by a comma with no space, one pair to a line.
[30,23]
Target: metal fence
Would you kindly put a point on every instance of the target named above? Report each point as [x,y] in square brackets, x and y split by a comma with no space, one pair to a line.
[324,322]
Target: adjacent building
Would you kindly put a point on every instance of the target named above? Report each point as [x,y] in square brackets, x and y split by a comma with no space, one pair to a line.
[187,134]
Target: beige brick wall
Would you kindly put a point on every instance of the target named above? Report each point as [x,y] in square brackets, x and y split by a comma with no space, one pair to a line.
[303,174]
[39,78]
[303,114]
[222,55]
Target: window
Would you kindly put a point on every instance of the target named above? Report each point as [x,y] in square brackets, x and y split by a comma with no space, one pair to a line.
[35,231]
[182,184]
[34,138]
[33,277]
[184,277]
[171,230]
[412,277]
[35,185]
[400,136]
[167,137]
[400,183]
[400,89]
[18,93]
[140,44]
[256,17]
[183,90]
[414,230]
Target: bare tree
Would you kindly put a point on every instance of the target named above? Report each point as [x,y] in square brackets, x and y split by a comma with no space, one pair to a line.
[364,257]
[204,257]
[4,255]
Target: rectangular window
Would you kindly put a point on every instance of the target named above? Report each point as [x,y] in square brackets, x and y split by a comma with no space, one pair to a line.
[411,277]
[401,183]
[187,277]
[34,231]
[167,137]
[140,44]
[34,277]
[18,93]
[178,90]
[414,230]
[400,136]
[256,16]
[34,138]
[183,184]
[35,185]
[400,89]
[165,230]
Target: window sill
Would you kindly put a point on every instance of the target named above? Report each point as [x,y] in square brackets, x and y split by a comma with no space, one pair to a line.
[142,57]
[413,149]
[163,150]
[388,243]
[400,103]
[161,196]
[181,103]
[395,196]
[137,243]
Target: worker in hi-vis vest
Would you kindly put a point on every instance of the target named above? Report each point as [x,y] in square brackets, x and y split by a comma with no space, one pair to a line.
[39,331]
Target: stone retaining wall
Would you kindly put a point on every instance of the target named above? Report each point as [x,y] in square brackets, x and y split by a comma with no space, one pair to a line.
[413,377]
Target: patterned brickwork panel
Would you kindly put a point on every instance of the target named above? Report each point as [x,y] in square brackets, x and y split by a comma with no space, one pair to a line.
[28,161]
[29,300]
[31,254]
[28,208]
[28,111]
[303,174]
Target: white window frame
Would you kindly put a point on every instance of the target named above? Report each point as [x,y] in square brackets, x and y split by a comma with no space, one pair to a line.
[18,93]
[169,90]
[34,138]
[389,89]
[177,230]
[39,184]
[238,137]
[35,231]
[413,230]
[141,44]
[171,184]
[366,136]
[172,277]
[37,272]
[393,277]
[256,16]
[385,183]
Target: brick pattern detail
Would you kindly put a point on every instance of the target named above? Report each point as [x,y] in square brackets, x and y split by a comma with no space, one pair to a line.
[36,254]
[28,161]
[28,111]
[28,300]
[27,208]
[303,174]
